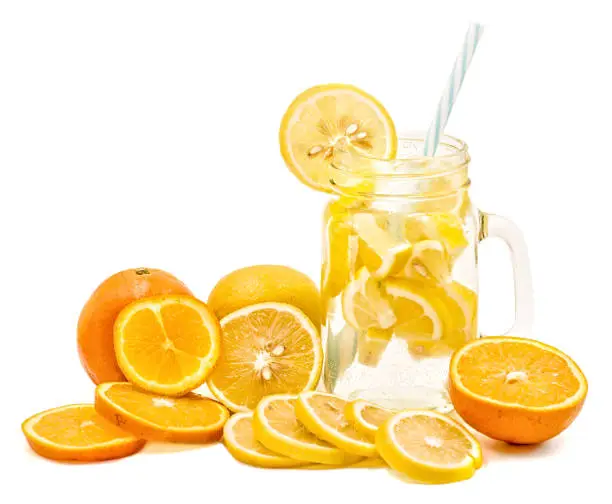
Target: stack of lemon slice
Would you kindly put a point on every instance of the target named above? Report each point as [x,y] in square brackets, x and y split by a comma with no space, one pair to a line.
[325,430]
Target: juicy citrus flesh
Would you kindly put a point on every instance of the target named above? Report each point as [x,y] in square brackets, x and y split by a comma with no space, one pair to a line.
[430,261]
[518,373]
[267,283]
[187,419]
[366,417]
[323,414]
[429,447]
[338,255]
[397,274]
[167,344]
[277,427]
[365,305]
[371,345]
[78,433]
[329,117]
[515,389]
[445,227]
[420,314]
[383,253]
[239,439]
[269,348]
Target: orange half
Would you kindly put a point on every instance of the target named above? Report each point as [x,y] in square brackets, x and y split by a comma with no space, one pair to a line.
[167,344]
[515,389]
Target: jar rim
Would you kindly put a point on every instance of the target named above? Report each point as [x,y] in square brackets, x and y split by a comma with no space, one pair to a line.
[410,172]
[457,147]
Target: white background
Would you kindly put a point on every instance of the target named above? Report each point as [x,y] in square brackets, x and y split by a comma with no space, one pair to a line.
[145,134]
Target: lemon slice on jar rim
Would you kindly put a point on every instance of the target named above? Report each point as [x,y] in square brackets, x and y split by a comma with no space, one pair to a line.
[324,118]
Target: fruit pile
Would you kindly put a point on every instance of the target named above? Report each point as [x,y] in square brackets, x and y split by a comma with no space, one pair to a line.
[262,361]
[148,343]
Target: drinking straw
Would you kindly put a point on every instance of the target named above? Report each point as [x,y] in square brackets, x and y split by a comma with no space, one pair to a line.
[445,106]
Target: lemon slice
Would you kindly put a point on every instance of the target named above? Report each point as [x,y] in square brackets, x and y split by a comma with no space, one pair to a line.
[371,345]
[323,415]
[266,348]
[428,447]
[340,252]
[445,227]
[239,439]
[277,428]
[341,351]
[460,308]
[420,314]
[364,304]
[382,252]
[429,261]
[462,303]
[367,417]
[332,116]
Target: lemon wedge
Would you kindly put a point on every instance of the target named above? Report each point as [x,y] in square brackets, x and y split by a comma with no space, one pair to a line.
[365,305]
[429,261]
[445,227]
[420,314]
[380,250]
[371,345]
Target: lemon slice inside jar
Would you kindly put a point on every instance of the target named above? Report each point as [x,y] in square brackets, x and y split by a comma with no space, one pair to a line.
[365,304]
[329,117]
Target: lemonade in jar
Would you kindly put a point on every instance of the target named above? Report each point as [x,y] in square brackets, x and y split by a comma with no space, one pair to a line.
[399,281]
[399,278]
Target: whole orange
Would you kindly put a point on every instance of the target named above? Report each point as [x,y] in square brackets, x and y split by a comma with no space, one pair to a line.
[95,327]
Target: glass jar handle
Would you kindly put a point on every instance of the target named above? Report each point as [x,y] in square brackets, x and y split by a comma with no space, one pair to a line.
[494,226]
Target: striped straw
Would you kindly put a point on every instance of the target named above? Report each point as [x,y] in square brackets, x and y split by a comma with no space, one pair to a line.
[445,106]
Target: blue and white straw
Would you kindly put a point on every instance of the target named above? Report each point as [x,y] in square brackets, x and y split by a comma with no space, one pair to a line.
[445,106]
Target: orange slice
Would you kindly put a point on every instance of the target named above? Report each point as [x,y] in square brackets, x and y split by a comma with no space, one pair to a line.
[240,441]
[78,433]
[323,415]
[428,447]
[167,344]
[366,417]
[325,118]
[276,427]
[267,348]
[188,419]
[516,390]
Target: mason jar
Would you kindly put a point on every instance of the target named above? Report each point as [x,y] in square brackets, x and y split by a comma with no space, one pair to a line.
[400,273]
